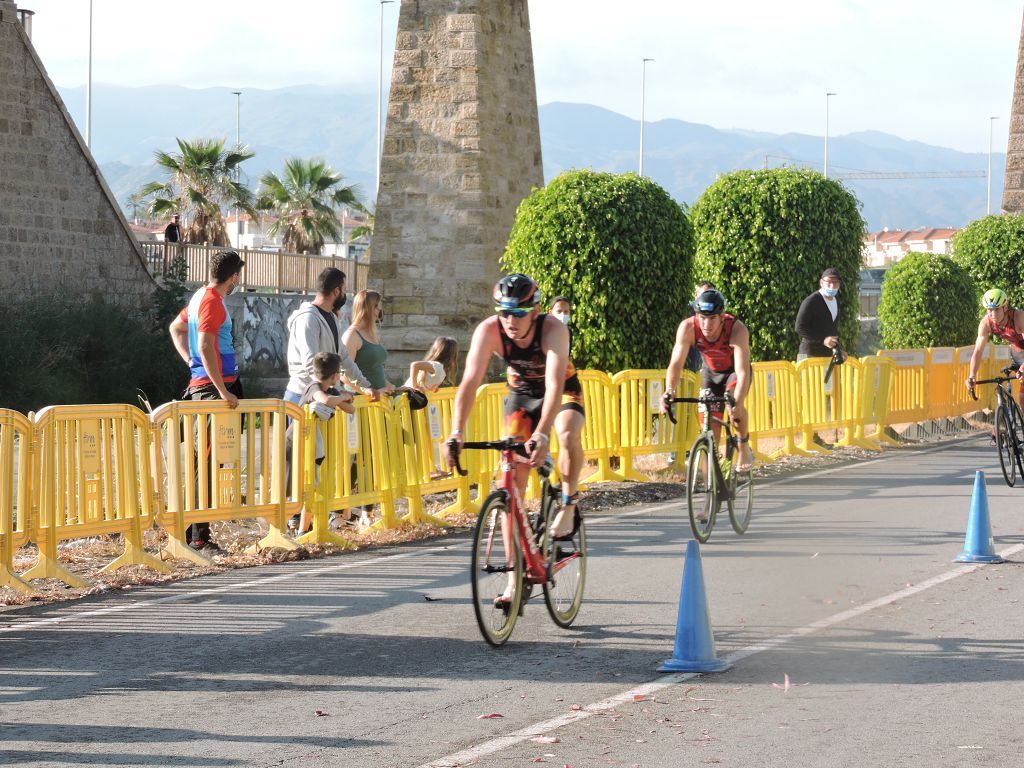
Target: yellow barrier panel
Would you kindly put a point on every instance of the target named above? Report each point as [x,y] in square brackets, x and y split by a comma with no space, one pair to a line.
[962,400]
[91,478]
[876,378]
[314,438]
[1000,359]
[907,395]
[834,404]
[487,422]
[774,407]
[939,382]
[362,459]
[600,433]
[15,452]
[423,435]
[642,429]
[224,464]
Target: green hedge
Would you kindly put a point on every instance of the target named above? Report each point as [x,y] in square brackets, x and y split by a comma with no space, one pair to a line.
[764,237]
[928,300]
[620,248]
[991,249]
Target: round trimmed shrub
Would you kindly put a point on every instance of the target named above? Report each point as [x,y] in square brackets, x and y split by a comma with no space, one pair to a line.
[991,249]
[928,300]
[764,238]
[620,248]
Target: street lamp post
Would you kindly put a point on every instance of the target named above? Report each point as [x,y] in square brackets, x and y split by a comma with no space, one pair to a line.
[88,88]
[827,95]
[643,106]
[238,168]
[988,203]
[380,86]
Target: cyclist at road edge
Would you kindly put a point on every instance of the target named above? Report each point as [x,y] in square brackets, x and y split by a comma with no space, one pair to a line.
[1004,322]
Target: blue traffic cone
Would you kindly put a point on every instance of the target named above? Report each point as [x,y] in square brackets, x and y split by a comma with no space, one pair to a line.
[695,644]
[978,544]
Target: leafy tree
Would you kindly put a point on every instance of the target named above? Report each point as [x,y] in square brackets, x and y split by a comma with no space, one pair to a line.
[202,184]
[306,200]
[928,300]
[620,248]
[764,237]
[991,249]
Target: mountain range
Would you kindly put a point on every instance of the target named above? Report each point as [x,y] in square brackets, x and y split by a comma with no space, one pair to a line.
[129,124]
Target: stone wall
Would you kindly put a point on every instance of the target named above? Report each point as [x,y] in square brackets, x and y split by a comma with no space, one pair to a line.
[60,226]
[1013,184]
[461,150]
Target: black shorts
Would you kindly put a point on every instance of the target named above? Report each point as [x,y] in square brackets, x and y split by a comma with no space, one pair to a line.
[717,383]
[523,410]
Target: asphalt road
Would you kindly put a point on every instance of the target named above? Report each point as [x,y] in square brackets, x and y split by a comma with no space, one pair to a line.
[843,586]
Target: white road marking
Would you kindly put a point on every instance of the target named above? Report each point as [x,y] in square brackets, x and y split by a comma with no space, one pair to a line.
[667,681]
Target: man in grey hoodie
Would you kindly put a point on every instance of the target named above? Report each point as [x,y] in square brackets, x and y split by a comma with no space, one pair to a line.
[313,328]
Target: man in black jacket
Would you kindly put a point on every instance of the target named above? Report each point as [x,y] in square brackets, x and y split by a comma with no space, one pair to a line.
[817,321]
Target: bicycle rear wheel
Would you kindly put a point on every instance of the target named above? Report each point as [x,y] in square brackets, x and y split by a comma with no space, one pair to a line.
[741,498]
[1005,444]
[567,574]
[701,490]
[490,572]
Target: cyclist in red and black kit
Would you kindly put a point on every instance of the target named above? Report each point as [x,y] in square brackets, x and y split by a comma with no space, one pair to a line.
[544,388]
[724,344]
[1006,323]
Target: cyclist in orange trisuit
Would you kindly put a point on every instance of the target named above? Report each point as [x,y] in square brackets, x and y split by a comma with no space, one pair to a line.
[1003,322]
[724,344]
[544,389]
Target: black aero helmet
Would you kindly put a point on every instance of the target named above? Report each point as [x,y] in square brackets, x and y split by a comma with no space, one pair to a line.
[709,302]
[516,291]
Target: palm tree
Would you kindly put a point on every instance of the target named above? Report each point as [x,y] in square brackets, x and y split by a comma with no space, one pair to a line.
[203,183]
[365,229]
[306,201]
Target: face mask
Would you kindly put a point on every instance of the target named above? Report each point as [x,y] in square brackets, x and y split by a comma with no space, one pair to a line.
[339,302]
[564,319]
[830,292]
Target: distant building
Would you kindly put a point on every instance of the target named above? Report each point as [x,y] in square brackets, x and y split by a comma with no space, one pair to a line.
[246,232]
[885,248]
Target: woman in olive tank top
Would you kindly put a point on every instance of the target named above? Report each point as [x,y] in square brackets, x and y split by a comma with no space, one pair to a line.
[362,341]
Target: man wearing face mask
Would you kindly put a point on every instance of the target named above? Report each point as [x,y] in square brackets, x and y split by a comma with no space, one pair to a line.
[817,321]
[313,328]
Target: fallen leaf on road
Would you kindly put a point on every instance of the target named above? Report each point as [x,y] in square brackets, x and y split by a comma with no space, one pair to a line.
[491,716]
[576,643]
[642,697]
[320,713]
[537,760]
[575,707]
[430,599]
[814,555]
[546,739]
[784,686]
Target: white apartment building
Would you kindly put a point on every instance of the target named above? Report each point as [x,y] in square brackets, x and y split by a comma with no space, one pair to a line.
[885,248]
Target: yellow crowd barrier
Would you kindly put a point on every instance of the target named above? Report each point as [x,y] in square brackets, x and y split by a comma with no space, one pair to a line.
[939,382]
[773,405]
[907,395]
[999,360]
[424,432]
[15,452]
[91,478]
[961,397]
[876,377]
[224,464]
[643,431]
[834,404]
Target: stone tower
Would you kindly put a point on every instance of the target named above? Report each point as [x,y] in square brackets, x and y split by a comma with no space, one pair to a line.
[60,226]
[461,150]
[1013,184]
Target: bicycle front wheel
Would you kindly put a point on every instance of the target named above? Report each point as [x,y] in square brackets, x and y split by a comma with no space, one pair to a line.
[701,490]
[741,498]
[567,574]
[492,573]
[1018,435]
[1006,444]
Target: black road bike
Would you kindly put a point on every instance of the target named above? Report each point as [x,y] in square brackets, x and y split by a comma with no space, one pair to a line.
[1009,425]
[710,480]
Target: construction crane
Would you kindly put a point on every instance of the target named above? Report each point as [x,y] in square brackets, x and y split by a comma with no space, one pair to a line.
[856,175]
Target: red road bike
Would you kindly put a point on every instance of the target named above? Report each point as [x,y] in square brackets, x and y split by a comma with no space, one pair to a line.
[510,540]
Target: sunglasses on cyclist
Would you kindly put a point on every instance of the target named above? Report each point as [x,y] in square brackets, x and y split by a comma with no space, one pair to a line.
[517,313]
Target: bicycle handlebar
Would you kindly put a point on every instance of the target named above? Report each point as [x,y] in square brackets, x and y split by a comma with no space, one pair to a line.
[998,380]
[507,444]
[726,399]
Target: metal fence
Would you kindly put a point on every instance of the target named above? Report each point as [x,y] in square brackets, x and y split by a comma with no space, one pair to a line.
[268,270]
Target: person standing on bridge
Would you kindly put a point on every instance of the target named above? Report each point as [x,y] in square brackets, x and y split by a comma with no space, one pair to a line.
[1004,322]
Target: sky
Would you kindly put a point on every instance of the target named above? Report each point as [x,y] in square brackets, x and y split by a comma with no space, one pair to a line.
[924,70]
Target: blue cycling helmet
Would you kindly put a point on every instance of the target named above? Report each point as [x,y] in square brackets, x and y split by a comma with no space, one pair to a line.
[709,302]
